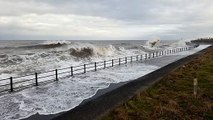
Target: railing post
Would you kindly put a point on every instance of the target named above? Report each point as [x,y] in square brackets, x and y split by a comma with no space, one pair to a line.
[36,79]
[11,84]
[153,55]
[104,64]
[126,60]
[146,56]
[56,74]
[131,58]
[141,57]
[71,71]
[119,61]
[112,62]
[84,68]
[95,66]
[137,58]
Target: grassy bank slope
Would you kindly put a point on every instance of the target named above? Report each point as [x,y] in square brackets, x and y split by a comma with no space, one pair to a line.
[172,97]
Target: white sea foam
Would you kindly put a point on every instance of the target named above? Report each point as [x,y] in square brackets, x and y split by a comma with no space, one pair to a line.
[25,61]
[70,92]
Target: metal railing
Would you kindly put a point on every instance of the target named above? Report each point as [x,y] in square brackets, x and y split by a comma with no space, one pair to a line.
[15,83]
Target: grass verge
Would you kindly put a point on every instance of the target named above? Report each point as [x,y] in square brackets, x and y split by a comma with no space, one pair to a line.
[172,97]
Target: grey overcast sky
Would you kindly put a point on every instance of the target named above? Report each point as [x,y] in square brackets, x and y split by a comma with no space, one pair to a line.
[105,19]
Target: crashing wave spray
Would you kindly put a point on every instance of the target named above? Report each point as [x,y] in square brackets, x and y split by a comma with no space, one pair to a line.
[56,54]
[153,43]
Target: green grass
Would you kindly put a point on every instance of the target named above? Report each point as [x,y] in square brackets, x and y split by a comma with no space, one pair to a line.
[172,97]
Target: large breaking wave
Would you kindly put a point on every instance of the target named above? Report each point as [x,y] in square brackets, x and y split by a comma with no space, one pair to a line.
[21,60]
[70,92]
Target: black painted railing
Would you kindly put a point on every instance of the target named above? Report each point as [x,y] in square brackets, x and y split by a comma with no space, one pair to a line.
[16,83]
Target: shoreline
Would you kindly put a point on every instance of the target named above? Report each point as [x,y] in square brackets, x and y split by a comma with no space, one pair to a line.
[185,93]
[95,107]
[98,94]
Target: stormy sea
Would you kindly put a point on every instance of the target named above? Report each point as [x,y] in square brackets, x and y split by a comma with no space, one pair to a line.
[24,57]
